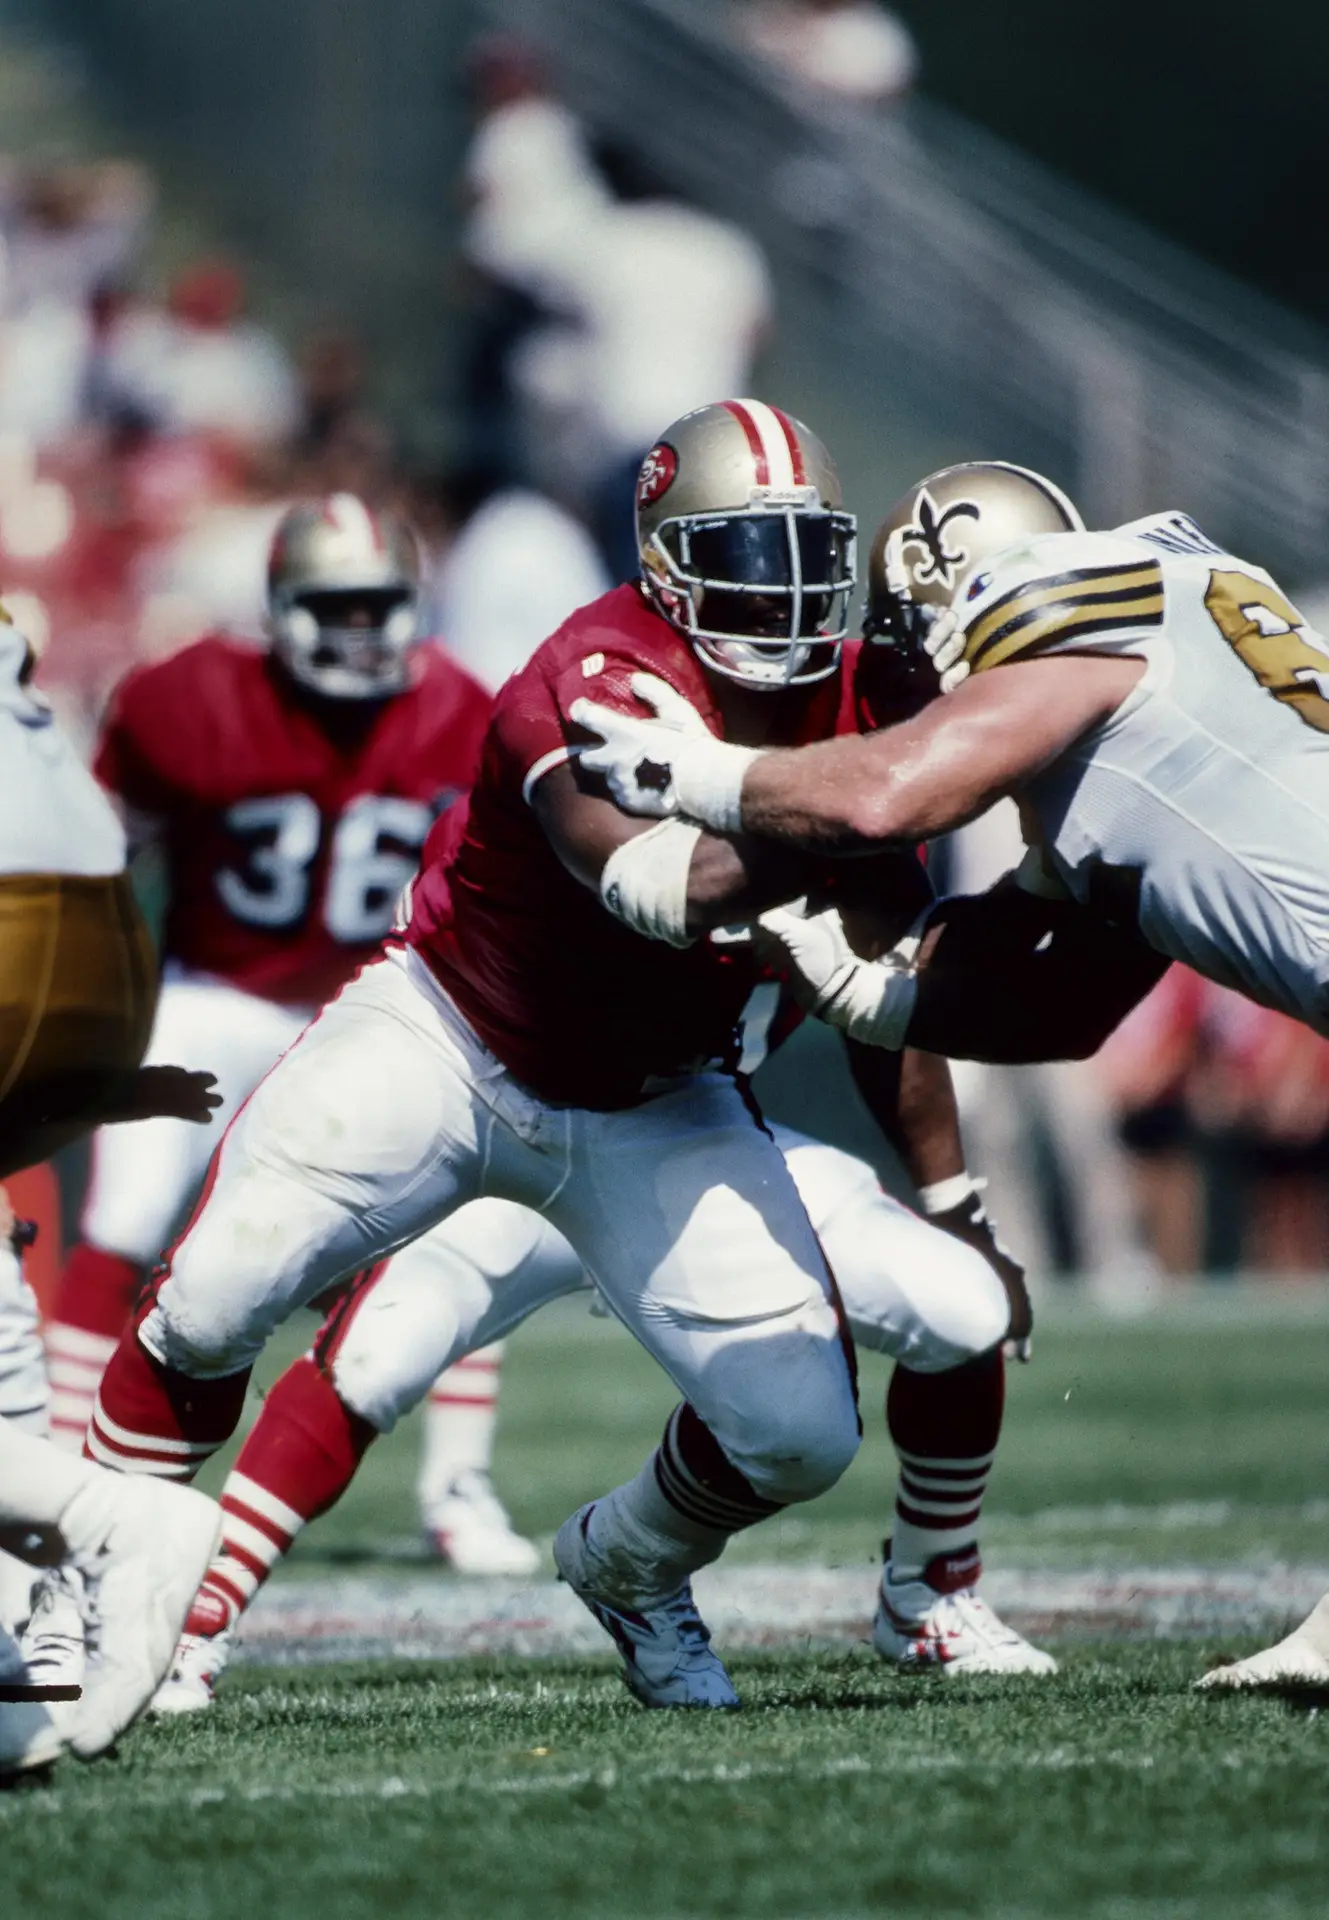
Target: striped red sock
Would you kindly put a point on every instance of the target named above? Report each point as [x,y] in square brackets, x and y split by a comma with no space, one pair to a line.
[151,1418]
[296,1463]
[945,1427]
[93,1302]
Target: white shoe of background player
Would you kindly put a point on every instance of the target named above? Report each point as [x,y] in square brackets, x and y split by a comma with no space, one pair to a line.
[1300,1660]
[927,1623]
[471,1530]
[191,1684]
[141,1547]
[29,1736]
[666,1649]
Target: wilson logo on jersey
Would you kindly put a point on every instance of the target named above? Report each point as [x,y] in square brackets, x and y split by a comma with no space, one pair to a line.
[1269,636]
[1066,608]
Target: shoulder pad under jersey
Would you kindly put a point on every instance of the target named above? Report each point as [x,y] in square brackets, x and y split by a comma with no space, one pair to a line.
[1057,592]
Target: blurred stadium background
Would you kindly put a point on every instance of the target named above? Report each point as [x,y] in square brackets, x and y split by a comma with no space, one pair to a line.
[469,257]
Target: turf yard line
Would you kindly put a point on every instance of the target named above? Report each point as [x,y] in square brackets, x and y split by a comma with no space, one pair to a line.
[720,1773]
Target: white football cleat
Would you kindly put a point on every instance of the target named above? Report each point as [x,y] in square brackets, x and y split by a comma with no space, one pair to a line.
[936,1622]
[1302,1660]
[29,1736]
[665,1649]
[53,1639]
[191,1685]
[471,1530]
[141,1546]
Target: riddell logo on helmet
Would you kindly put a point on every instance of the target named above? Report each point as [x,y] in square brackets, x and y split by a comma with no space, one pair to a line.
[657,473]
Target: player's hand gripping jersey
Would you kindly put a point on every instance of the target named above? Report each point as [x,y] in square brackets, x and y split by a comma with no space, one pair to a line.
[1201,808]
[577,1006]
[289,830]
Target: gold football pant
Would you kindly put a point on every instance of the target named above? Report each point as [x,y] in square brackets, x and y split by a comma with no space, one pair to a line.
[78,984]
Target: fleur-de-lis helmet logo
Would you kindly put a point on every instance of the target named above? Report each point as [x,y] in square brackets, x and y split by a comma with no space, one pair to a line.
[928,530]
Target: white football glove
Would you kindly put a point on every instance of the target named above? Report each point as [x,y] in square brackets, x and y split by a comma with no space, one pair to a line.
[672,764]
[870,1000]
[944,646]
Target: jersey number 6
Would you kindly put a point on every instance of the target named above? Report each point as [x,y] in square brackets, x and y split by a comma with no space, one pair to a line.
[1269,636]
[282,833]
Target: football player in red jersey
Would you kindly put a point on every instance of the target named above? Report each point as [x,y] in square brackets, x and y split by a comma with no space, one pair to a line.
[555,1029]
[289,791]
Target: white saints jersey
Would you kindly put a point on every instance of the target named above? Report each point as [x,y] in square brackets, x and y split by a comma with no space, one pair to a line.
[54,818]
[1201,808]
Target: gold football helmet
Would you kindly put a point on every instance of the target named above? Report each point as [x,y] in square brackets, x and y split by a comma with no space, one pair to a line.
[744,543]
[939,534]
[343,598]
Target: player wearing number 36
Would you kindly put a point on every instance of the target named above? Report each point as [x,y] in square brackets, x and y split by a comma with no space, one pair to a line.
[289,789]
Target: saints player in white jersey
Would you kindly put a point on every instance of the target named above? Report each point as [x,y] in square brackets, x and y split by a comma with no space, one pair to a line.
[1156,705]
[76,992]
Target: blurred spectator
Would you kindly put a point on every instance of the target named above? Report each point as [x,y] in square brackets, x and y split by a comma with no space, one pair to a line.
[531,187]
[197,365]
[529,173]
[333,377]
[1144,1071]
[64,233]
[666,307]
[623,306]
[211,573]
[852,48]
[68,230]
[504,567]
[1224,1106]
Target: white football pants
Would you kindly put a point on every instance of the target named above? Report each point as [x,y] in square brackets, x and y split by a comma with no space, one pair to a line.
[909,1290]
[143,1174]
[389,1114]
[23,1389]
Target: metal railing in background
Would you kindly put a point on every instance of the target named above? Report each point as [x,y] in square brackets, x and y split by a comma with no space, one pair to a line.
[1015,313]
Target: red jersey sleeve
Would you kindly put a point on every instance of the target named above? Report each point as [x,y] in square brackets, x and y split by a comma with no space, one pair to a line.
[125,761]
[532,724]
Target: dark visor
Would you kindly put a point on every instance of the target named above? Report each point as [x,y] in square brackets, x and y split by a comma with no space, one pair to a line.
[755,550]
[332,607]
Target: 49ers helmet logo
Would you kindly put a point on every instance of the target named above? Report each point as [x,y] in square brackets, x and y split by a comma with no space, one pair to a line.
[657,473]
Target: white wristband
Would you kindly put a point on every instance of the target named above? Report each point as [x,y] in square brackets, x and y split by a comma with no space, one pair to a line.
[708,781]
[942,1195]
[644,883]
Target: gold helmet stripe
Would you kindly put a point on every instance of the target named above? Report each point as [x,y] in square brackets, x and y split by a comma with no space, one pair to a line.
[1118,594]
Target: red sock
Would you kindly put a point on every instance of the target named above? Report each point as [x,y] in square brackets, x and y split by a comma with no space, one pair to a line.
[945,1427]
[151,1418]
[297,1462]
[93,1301]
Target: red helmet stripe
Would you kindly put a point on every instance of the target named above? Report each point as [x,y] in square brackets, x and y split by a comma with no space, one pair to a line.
[795,450]
[756,446]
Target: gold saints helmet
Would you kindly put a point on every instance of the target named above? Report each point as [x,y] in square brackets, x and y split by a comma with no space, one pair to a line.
[936,537]
[745,547]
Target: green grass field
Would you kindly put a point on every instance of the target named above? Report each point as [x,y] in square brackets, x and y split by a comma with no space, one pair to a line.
[1194,1439]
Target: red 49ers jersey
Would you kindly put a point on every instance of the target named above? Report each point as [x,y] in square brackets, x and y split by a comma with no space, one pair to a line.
[573,1003]
[289,828]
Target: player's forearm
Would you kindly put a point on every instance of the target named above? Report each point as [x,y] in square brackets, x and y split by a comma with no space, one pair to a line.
[898,787]
[1008,979]
[733,880]
[911,1098]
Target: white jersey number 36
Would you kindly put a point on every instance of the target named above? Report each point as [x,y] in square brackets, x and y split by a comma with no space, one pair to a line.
[283,832]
